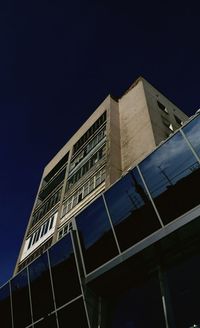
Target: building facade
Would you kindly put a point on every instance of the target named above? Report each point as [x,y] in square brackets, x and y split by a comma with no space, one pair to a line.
[116,136]
[129,256]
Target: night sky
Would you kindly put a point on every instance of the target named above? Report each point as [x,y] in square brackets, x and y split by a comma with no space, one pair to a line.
[58,61]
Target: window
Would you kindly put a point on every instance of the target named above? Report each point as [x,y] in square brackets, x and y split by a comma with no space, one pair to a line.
[39,233]
[56,169]
[192,132]
[96,235]
[87,149]
[51,222]
[162,107]
[49,204]
[5,304]
[64,271]
[20,297]
[131,211]
[98,178]
[101,120]
[170,171]
[178,120]
[35,254]
[42,303]
[168,124]
[69,314]
[65,230]
[52,185]
[87,166]
[87,188]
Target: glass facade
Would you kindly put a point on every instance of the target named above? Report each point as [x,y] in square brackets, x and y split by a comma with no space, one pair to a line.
[131,210]
[20,295]
[171,172]
[96,236]
[63,267]
[38,292]
[192,132]
[40,285]
[75,314]
[53,290]
[5,307]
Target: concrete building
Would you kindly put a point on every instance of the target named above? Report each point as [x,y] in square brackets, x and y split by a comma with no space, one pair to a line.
[118,135]
[126,252]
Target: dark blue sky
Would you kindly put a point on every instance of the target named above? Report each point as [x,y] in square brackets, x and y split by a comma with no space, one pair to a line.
[58,61]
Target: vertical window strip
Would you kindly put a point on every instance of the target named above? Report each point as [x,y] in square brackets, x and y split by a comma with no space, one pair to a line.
[87,166]
[39,233]
[85,190]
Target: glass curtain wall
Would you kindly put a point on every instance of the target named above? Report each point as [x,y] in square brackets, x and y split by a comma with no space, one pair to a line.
[47,293]
[161,189]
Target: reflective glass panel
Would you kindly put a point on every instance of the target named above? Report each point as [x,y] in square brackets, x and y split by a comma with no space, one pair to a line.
[20,295]
[192,132]
[131,210]
[96,236]
[49,322]
[172,175]
[5,307]
[138,307]
[74,314]
[41,291]
[184,290]
[64,271]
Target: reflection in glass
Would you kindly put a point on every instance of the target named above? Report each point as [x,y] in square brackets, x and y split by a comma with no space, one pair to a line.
[48,322]
[139,307]
[96,236]
[172,175]
[131,210]
[74,314]
[192,132]
[184,290]
[41,292]
[20,295]
[5,306]
[64,271]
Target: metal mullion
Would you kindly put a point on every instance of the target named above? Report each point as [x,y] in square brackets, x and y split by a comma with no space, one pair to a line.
[52,287]
[11,304]
[79,244]
[68,303]
[80,281]
[30,298]
[151,199]
[112,227]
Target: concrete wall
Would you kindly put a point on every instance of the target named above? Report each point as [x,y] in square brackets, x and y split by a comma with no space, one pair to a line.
[157,116]
[113,165]
[137,138]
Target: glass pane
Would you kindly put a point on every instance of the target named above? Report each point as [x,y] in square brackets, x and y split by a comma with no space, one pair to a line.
[192,132]
[139,307]
[64,271]
[73,315]
[5,307]
[131,210]
[96,236]
[41,292]
[20,295]
[49,322]
[172,176]
[184,289]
